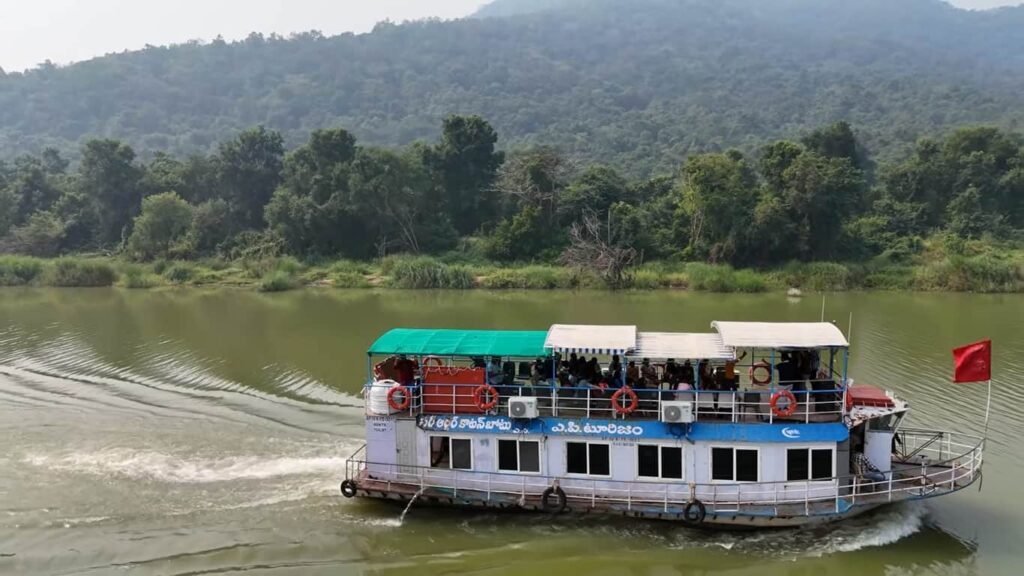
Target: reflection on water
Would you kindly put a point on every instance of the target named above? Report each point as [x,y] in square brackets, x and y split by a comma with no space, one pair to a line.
[204,432]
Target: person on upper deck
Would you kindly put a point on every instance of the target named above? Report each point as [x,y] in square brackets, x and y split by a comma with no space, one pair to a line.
[731,377]
[671,374]
[615,372]
[707,377]
[494,373]
[686,375]
[632,374]
[649,374]
[788,371]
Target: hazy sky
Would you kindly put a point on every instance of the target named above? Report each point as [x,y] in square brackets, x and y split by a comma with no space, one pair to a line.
[63,31]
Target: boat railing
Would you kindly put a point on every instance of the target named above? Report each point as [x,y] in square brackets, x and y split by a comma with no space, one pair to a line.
[957,464]
[746,405]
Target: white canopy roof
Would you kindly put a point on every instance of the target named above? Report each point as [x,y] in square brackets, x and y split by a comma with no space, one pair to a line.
[780,335]
[607,340]
[665,345]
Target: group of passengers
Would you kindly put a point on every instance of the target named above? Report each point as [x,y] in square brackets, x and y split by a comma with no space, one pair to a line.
[577,371]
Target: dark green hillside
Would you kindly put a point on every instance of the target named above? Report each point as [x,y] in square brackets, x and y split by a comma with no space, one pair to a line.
[638,84]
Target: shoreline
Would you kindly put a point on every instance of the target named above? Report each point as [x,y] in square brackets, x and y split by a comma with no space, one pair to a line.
[980,274]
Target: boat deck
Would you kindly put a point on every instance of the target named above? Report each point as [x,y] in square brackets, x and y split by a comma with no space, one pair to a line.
[934,464]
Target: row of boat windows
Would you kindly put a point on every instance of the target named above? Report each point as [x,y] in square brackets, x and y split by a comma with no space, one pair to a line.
[653,461]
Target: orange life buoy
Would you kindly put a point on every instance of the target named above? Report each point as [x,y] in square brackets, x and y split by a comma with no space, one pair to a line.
[767,371]
[480,397]
[634,400]
[406,398]
[789,409]
[433,361]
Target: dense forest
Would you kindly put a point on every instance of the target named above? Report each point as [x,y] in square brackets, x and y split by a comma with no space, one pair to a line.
[822,198]
[634,85]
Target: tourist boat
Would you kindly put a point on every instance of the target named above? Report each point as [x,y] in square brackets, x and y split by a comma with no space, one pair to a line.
[445,428]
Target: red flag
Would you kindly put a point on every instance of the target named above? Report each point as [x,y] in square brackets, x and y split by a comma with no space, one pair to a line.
[973,363]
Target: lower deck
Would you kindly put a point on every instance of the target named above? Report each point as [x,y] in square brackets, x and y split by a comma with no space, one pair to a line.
[929,464]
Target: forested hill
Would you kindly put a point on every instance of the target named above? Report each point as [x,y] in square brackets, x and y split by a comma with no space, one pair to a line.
[640,84]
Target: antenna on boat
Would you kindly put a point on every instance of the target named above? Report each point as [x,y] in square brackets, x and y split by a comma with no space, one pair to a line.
[849,330]
[822,306]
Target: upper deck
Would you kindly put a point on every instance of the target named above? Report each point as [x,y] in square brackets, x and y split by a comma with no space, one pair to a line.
[733,374]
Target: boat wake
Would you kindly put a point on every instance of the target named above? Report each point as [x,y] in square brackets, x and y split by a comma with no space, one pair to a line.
[885,528]
[156,466]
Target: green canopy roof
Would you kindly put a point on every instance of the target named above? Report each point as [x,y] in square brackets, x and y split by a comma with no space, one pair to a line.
[521,344]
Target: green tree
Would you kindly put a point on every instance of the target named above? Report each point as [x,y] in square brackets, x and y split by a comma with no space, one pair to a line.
[520,238]
[249,170]
[465,165]
[718,196]
[42,235]
[162,225]
[210,226]
[108,175]
[967,218]
[594,190]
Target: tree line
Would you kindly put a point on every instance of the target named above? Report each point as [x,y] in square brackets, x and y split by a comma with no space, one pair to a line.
[819,198]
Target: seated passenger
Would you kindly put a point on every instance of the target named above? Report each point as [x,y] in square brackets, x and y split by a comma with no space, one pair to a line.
[494,373]
[865,469]
[686,375]
[537,373]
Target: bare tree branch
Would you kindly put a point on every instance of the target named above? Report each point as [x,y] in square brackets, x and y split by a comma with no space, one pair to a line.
[591,248]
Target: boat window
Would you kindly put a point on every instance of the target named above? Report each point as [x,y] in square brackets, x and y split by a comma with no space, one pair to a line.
[462,454]
[721,464]
[453,453]
[529,457]
[797,464]
[518,456]
[809,464]
[590,459]
[821,464]
[659,462]
[576,458]
[672,462]
[734,464]
[886,423]
[746,466]
[600,460]
[647,461]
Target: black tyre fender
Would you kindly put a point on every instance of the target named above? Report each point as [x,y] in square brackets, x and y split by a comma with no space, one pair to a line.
[695,512]
[553,500]
[348,489]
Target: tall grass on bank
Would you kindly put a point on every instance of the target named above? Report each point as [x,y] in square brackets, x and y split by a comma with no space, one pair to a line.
[530,278]
[278,281]
[79,272]
[20,270]
[979,274]
[723,278]
[426,273]
[138,277]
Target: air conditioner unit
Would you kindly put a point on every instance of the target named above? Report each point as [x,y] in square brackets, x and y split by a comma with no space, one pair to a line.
[677,412]
[522,407]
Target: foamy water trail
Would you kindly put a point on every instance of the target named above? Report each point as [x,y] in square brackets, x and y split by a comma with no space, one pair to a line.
[889,527]
[144,465]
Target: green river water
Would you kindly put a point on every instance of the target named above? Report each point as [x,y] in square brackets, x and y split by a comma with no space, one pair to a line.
[205,432]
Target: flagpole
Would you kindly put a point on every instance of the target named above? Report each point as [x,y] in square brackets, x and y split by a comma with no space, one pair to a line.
[988,409]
